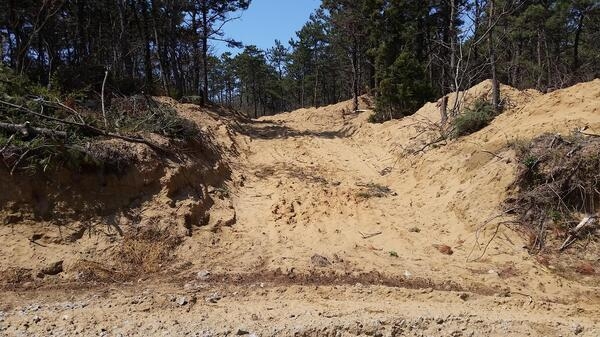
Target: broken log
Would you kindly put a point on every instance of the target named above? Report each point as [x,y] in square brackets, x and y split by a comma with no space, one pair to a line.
[443,105]
[89,128]
[26,130]
[574,233]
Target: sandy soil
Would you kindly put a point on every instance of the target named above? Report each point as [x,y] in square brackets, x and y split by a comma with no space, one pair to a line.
[331,226]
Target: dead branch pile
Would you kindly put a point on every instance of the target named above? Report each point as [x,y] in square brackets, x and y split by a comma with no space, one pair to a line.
[558,184]
[42,128]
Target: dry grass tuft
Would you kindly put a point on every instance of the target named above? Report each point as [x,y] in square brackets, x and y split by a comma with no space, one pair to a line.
[373,190]
[146,251]
[90,271]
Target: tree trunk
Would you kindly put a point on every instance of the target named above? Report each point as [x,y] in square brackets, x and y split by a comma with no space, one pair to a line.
[515,65]
[302,91]
[162,63]
[1,48]
[452,32]
[146,38]
[316,88]
[443,105]
[195,54]
[205,34]
[539,60]
[355,83]
[575,64]
[495,84]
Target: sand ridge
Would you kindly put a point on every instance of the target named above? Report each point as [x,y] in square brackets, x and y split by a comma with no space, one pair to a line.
[330,226]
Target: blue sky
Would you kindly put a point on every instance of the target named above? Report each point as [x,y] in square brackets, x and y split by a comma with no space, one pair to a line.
[267,20]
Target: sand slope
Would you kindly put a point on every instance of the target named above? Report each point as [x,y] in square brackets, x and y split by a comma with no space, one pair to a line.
[336,229]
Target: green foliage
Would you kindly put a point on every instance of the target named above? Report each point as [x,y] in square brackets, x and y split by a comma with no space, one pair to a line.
[39,153]
[402,89]
[135,114]
[473,118]
[530,161]
[555,215]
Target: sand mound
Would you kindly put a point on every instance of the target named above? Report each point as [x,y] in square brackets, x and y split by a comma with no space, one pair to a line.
[448,190]
[324,212]
[82,215]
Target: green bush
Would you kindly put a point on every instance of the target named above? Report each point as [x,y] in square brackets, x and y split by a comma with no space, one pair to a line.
[473,118]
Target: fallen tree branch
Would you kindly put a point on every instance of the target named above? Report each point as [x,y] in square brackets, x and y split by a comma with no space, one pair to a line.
[102,97]
[493,154]
[368,236]
[482,227]
[434,142]
[27,130]
[574,233]
[91,129]
[23,155]
[589,134]
[10,139]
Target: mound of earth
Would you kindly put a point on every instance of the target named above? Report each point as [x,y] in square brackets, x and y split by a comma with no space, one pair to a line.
[327,226]
[96,216]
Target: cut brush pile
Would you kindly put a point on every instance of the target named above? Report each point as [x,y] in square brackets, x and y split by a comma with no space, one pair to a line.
[40,129]
[558,185]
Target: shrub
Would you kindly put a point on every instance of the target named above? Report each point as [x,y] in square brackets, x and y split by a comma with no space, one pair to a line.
[473,119]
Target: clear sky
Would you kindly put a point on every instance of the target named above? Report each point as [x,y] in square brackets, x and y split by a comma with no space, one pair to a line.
[267,20]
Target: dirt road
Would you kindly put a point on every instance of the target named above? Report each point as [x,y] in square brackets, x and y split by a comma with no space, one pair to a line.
[334,234]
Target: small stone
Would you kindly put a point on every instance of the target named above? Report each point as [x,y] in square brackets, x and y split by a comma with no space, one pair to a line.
[320,261]
[439,320]
[241,332]
[213,298]
[444,249]
[577,329]
[182,300]
[37,319]
[203,275]
[464,296]
[54,268]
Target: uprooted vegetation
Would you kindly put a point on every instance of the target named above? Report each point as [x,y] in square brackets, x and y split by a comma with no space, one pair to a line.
[65,159]
[373,190]
[558,184]
[432,134]
[41,129]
